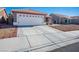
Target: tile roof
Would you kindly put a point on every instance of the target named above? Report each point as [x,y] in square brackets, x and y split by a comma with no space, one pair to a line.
[29,12]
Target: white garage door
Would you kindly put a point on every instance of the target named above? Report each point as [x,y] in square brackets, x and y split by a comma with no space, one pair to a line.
[24,19]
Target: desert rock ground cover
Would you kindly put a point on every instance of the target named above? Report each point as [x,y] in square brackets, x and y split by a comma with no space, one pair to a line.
[66,27]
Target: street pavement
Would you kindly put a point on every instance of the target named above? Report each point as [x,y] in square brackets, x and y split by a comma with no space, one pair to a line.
[69,48]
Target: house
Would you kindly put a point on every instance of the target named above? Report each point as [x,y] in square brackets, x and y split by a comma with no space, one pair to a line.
[28,17]
[63,19]
[3,13]
[74,19]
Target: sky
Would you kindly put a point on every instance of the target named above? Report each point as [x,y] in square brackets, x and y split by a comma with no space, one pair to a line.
[69,11]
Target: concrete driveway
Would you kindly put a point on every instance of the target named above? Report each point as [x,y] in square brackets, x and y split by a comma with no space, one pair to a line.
[38,38]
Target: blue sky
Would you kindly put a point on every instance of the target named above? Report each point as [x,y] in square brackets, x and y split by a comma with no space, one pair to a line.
[70,11]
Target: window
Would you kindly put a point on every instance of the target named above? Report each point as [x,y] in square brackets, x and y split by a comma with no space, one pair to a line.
[54,21]
[19,15]
[23,15]
[38,16]
[65,21]
[35,16]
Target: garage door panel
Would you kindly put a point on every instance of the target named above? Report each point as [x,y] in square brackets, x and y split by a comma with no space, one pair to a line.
[30,20]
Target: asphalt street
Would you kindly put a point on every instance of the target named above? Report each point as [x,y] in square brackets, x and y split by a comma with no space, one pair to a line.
[69,48]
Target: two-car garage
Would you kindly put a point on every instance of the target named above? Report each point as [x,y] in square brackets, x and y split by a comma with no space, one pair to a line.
[28,18]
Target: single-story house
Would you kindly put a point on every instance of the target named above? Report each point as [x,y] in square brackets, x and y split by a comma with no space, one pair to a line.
[63,19]
[28,17]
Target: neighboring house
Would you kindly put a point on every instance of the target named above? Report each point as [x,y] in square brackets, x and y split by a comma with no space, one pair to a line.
[28,17]
[74,19]
[3,13]
[63,19]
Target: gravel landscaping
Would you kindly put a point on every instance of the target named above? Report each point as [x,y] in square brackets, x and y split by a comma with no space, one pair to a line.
[7,31]
[66,27]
